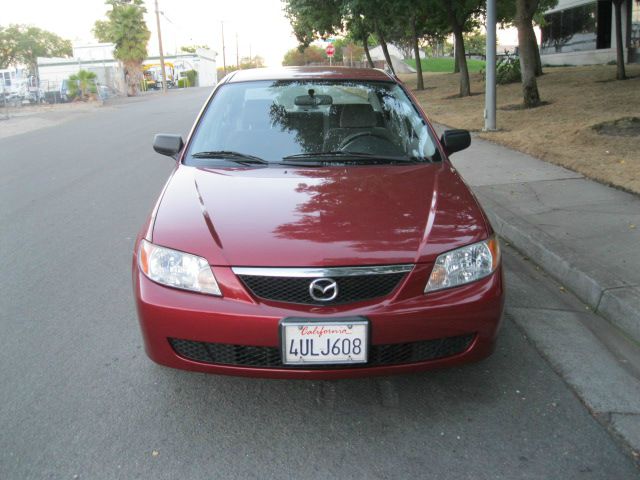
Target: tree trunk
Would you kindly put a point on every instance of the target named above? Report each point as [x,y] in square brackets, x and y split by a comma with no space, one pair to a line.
[536,48]
[385,50]
[620,71]
[524,19]
[461,61]
[132,77]
[416,52]
[460,57]
[365,45]
[456,65]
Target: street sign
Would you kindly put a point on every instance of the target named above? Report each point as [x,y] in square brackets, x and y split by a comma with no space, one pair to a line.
[331,50]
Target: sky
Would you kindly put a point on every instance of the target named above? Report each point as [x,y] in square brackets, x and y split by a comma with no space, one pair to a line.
[260,25]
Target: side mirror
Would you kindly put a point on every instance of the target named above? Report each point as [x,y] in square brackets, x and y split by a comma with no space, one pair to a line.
[455,140]
[166,144]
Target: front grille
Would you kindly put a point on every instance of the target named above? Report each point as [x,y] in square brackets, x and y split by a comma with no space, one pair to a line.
[354,288]
[269,357]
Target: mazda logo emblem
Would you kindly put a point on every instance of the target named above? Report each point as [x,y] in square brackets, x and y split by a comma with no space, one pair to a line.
[323,289]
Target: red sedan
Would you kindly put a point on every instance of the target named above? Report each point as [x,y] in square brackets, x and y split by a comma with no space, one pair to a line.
[313,227]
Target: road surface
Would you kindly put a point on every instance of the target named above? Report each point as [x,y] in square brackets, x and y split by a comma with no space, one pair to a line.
[79,398]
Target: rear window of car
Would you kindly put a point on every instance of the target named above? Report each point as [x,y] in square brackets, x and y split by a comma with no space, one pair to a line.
[276,119]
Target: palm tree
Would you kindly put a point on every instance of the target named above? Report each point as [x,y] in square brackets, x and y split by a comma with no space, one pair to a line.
[126,28]
[81,84]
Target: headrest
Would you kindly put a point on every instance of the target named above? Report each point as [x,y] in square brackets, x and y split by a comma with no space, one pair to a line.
[357,115]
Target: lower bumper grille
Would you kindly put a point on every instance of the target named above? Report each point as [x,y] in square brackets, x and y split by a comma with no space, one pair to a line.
[269,357]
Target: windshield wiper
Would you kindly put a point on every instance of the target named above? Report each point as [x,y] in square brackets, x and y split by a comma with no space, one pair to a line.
[343,156]
[230,155]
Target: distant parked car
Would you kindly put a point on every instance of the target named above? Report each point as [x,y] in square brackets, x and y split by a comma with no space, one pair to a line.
[313,227]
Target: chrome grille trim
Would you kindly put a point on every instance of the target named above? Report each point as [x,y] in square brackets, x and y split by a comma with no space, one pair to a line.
[322,272]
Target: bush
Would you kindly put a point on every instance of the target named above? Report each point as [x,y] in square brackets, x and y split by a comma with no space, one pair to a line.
[507,70]
[188,78]
[192,77]
[82,85]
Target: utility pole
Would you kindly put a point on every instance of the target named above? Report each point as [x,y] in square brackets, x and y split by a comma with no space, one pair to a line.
[490,69]
[237,52]
[164,72]
[250,57]
[224,57]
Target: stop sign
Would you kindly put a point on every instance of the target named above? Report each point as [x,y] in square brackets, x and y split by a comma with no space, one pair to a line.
[330,50]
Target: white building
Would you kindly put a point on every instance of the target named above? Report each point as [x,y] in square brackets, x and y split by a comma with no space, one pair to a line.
[98,58]
[206,67]
[203,61]
[582,32]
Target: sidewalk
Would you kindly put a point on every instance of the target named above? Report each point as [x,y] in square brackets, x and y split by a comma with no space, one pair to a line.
[585,234]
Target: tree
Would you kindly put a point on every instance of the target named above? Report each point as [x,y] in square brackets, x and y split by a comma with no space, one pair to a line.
[349,52]
[310,54]
[23,44]
[525,10]
[192,48]
[507,13]
[374,16]
[126,28]
[413,20]
[416,52]
[251,62]
[359,30]
[81,84]
[462,16]
[246,63]
[437,45]
[620,71]
[313,19]
[476,42]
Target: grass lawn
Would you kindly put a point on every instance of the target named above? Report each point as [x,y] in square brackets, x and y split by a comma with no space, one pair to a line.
[560,132]
[445,64]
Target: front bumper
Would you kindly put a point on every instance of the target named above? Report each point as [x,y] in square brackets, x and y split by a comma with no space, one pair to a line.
[237,319]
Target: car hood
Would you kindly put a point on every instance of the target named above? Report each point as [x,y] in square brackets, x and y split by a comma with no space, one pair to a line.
[367,215]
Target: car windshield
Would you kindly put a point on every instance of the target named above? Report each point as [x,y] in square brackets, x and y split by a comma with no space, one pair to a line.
[298,121]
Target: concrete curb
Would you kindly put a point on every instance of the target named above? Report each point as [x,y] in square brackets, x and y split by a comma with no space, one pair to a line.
[589,279]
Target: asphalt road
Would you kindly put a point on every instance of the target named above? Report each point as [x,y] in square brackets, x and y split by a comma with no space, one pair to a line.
[79,398]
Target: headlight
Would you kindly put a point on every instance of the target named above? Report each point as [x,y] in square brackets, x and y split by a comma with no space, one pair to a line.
[464,265]
[177,269]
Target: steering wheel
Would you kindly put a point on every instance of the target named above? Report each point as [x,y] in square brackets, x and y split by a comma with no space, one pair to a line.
[351,138]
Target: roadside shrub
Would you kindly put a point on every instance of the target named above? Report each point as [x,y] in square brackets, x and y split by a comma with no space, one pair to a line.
[192,76]
[188,78]
[82,85]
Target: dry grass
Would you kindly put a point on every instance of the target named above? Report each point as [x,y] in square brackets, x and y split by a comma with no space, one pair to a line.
[560,132]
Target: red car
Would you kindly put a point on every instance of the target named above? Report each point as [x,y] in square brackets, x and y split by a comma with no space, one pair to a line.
[314,227]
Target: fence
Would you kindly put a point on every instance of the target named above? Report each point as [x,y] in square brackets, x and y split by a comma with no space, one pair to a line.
[13,101]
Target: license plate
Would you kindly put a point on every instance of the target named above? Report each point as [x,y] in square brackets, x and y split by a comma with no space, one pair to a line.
[343,341]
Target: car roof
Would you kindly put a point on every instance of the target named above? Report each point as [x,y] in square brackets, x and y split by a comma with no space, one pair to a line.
[307,73]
